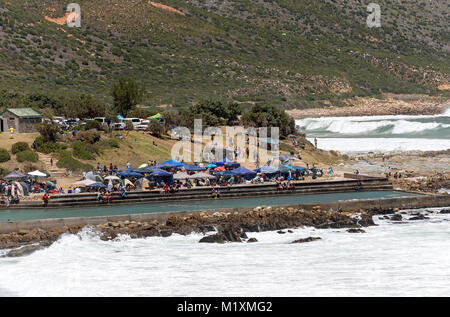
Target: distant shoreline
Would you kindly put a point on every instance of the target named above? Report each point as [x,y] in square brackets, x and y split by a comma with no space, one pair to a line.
[374,107]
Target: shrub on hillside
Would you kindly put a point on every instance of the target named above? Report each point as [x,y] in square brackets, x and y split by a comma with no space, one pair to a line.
[68,162]
[79,151]
[4,155]
[49,146]
[155,128]
[90,136]
[93,124]
[19,147]
[3,172]
[27,156]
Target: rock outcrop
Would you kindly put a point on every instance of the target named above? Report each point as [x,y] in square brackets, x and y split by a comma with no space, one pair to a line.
[309,239]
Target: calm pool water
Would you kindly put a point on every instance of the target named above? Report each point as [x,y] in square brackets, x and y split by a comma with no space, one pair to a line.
[208,204]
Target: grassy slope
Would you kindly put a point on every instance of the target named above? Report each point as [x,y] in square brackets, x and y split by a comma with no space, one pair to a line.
[291,53]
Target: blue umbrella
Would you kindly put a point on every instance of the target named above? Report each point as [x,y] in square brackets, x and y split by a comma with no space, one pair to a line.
[211,165]
[126,174]
[226,173]
[242,171]
[169,164]
[193,168]
[159,173]
[266,170]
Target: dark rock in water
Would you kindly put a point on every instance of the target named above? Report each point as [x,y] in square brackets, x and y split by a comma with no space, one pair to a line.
[397,217]
[252,240]
[385,217]
[419,217]
[404,213]
[309,239]
[148,232]
[231,235]
[228,234]
[281,232]
[366,220]
[26,250]
[290,231]
[386,211]
[215,238]
[445,211]
[355,231]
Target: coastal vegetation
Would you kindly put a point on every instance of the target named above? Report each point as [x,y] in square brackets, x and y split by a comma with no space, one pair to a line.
[292,54]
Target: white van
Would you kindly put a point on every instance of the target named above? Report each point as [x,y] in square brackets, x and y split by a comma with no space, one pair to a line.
[104,121]
[134,121]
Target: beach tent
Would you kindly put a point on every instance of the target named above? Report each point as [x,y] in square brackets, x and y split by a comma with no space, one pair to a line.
[180,176]
[50,184]
[244,172]
[83,183]
[266,170]
[94,177]
[201,176]
[38,174]
[127,182]
[19,192]
[15,175]
[143,165]
[286,168]
[169,164]
[157,172]
[26,188]
[156,116]
[193,168]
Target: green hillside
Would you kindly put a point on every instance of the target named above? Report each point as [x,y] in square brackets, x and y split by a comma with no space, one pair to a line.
[291,53]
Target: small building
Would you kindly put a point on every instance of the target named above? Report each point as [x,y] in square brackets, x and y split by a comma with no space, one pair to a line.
[23,120]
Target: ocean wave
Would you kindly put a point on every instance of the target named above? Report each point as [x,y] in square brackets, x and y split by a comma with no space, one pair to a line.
[356,126]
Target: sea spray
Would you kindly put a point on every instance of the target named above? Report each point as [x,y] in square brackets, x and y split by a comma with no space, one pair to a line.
[391,259]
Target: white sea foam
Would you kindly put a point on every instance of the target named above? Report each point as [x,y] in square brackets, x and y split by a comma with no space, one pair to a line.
[359,145]
[387,260]
[379,133]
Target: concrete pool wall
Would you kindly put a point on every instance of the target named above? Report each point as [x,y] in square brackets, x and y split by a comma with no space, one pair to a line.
[420,201]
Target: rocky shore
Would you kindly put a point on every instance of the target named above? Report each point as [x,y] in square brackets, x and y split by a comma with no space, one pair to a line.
[218,227]
[392,105]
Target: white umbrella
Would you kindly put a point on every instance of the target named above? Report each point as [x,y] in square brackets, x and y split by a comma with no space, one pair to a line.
[201,176]
[180,176]
[113,178]
[38,174]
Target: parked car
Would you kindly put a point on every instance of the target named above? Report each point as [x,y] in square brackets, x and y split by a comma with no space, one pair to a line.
[134,121]
[118,125]
[143,125]
[104,121]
